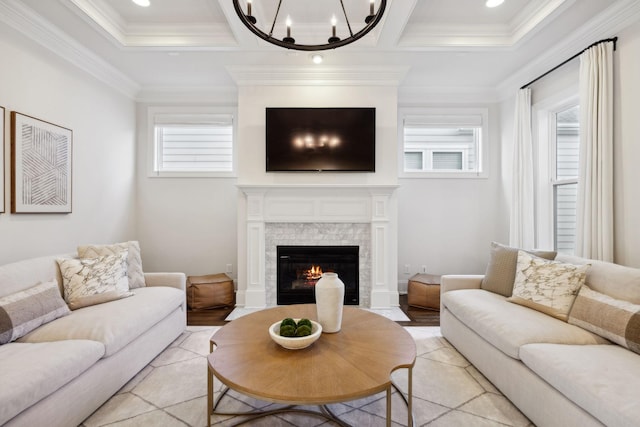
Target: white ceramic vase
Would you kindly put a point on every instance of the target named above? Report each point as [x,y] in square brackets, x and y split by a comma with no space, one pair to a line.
[329,301]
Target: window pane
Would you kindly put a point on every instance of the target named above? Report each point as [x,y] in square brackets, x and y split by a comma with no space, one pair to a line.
[447,160]
[447,147]
[413,160]
[567,144]
[194,148]
[565,199]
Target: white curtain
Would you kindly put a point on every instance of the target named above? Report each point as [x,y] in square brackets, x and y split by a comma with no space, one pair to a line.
[522,225]
[595,185]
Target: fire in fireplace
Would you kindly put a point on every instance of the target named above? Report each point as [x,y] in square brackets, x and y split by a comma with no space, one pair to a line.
[300,267]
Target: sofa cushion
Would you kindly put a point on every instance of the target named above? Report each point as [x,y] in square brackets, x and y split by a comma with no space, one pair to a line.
[22,312]
[615,280]
[31,372]
[509,326]
[601,379]
[547,286]
[116,323]
[616,320]
[92,281]
[501,270]
[134,259]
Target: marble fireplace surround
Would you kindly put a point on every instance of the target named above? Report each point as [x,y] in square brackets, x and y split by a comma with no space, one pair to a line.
[362,215]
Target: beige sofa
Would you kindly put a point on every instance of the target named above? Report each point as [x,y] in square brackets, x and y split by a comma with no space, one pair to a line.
[556,373]
[61,372]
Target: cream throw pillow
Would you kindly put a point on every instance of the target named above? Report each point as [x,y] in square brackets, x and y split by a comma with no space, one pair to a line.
[134,260]
[547,286]
[614,319]
[91,281]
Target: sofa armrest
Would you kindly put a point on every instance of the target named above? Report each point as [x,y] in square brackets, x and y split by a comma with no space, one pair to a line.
[451,282]
[174,280]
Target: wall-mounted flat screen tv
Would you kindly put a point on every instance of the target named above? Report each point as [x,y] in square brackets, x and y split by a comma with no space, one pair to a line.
[321,139]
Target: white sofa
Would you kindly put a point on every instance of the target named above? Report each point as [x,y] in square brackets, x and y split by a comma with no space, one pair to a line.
[556,373]
[61,372]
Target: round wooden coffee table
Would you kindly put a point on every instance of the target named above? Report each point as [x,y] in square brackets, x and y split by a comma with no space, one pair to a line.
[353,363]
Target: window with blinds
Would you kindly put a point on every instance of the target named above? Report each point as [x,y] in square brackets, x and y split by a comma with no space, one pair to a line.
[193,144]
[444,142]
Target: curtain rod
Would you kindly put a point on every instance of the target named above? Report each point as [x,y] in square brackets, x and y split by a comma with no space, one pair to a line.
[614,40]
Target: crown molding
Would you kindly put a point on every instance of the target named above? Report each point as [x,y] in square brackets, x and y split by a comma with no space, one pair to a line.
[314,76]
[104,18]
[27,22]
[409,96]
[525,24]
[607,24]
[219,95]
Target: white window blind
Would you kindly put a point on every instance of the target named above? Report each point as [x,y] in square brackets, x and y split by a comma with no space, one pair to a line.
[193,143]
[451,160]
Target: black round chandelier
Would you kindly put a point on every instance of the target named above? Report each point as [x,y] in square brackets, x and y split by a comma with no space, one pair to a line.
[289,42]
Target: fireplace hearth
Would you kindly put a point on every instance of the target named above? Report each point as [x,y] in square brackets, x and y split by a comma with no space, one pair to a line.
[300,267]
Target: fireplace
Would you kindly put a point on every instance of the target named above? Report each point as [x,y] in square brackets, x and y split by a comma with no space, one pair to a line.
[300,267]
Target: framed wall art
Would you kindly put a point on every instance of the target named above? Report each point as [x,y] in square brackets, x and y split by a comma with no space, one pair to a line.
[2,159]
[40,166]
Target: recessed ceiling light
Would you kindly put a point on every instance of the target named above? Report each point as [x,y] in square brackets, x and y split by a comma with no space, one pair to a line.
[317,58]
[494,3]
[143,3]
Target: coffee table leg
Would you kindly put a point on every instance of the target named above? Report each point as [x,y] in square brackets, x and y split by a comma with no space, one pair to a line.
[389,406]
[410,397]
[209,395]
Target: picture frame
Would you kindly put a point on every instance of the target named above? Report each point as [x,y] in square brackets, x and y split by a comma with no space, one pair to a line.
[2,132]
[41,166]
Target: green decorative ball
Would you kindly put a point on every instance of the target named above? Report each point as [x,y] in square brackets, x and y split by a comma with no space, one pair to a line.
[303,322]
[287,331]
[288,321]
[303,331]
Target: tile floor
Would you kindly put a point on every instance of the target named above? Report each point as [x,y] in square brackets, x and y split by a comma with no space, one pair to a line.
[171,391]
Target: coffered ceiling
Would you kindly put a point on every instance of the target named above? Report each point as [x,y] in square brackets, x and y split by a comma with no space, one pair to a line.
[429,46]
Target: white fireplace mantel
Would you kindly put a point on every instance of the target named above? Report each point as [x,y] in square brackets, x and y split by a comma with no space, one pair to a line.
[323,204]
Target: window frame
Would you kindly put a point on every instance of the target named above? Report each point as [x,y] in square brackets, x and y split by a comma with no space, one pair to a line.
[446,118]
[189,115]
[544,133]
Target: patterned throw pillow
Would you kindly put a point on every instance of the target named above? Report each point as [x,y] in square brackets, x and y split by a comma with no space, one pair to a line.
[614,319]
[501,270]
[24,311]
[547,286]
[134,260]
[91,281]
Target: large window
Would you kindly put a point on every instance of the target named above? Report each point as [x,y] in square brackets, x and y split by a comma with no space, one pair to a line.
[565,178]
[191,144]
[558,139]
[443,143]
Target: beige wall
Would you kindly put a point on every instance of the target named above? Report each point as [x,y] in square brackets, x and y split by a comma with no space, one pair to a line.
[39,84]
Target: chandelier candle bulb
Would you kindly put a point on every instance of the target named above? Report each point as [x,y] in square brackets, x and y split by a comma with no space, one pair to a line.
[249,7]
[371,7]
[288,26]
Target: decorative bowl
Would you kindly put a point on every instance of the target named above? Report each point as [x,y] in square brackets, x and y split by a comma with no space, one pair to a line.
[295,343]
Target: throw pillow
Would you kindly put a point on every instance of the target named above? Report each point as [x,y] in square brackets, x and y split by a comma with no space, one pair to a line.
[614,319]
[24,311]
[90,281]
[134,260]
[501,270]
[547,286]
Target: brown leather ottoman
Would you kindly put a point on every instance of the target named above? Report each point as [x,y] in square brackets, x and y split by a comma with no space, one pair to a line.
[423,291]
[210,291]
